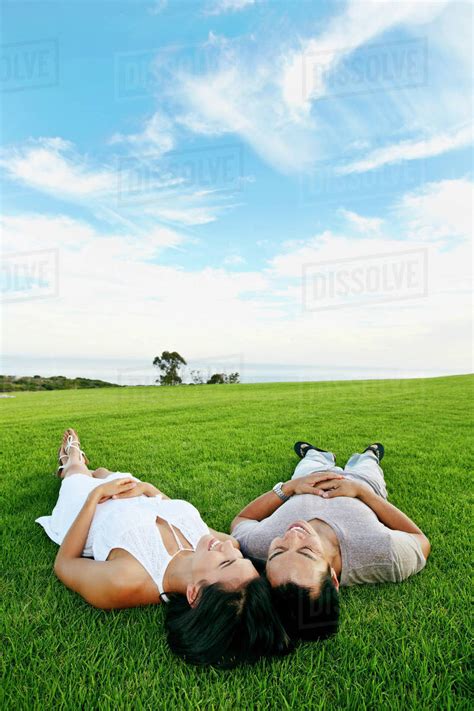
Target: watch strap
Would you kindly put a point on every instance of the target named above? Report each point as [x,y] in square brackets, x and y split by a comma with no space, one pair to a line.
[278,490]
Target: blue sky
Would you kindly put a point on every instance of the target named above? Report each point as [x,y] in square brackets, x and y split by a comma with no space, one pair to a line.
[194,170]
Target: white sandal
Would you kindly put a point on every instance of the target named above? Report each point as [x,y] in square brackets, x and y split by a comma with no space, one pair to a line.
[70,442]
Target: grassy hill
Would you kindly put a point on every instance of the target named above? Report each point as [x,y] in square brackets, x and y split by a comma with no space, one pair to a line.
[13,383]
[400,646]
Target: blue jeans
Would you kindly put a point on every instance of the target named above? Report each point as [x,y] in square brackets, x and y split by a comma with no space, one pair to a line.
[361,467]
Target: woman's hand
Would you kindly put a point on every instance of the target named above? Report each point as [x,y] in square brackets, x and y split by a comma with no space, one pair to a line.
[310,484]
[111,489]
[141,488]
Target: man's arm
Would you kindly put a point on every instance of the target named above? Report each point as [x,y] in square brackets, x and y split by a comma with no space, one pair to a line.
[387,513]
[393,518]
[266,504]
[225,537]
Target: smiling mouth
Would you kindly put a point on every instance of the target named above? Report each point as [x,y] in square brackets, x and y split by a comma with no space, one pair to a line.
[297,528]
[212,544]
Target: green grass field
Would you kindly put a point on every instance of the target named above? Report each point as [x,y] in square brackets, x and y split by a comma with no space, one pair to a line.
[399,646]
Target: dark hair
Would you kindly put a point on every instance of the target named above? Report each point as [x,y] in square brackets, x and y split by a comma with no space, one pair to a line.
[305,616]
[226,628]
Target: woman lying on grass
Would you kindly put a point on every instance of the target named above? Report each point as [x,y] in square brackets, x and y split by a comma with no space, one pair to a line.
[324,528]
[147,548]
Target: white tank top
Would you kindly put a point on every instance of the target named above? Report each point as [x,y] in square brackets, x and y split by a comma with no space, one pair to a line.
[131,524]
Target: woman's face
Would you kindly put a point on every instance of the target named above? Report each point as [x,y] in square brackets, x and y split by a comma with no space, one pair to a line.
[297,557]
[217,561]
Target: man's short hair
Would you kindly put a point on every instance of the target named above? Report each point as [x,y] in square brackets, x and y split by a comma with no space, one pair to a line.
[305,615]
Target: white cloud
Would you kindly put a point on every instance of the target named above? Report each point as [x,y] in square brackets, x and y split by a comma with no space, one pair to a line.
[145,305]
[219,7]
[234,260]
[240,98]
[432,226]
[157,7]
[120,301]
[24,233]
[269,96]
[440,210]
[410,150]
[51,165]
[189,216]
[304,77]
[146,183]
[157,136]
[370,225]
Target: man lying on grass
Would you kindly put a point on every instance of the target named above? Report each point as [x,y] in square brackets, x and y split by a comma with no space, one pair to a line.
[147,548]
[324,528]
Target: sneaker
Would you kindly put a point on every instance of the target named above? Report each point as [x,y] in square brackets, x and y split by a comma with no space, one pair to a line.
[377,448]
[302,447]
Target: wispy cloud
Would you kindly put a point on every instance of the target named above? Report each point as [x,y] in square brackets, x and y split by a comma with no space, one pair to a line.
[219,7]
[143,183]
[52,165]
[157,6]
[22,233]
[157,136]
[238,98]
[365,225]
[410,150]
[186,216]
[307,68]
[250,81]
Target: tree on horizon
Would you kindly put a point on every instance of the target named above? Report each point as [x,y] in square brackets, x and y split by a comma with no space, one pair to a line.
[169,363]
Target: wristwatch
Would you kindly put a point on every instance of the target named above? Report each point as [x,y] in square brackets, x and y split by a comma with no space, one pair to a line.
[279,491]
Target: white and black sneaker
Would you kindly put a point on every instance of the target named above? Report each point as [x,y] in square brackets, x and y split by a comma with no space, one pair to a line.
[302,447]
[378,449]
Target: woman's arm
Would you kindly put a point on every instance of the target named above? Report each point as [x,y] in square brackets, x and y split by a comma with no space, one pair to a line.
[98,582]
[266,504]
[75,539]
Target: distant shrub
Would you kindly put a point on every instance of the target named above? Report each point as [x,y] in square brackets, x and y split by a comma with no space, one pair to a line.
[223,379]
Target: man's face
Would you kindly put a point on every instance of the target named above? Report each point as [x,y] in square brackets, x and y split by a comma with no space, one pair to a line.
[297,557]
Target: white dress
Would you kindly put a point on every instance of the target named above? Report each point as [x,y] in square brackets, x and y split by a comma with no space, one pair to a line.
[124,523]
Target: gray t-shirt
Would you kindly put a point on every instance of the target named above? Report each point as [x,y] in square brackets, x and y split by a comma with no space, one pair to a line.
[370,552]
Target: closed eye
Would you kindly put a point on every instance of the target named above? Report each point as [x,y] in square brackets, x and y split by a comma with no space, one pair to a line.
[301,551]
[226,563]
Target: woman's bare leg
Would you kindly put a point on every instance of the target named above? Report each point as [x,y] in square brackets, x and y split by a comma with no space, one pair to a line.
[73,462]
[101,473]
